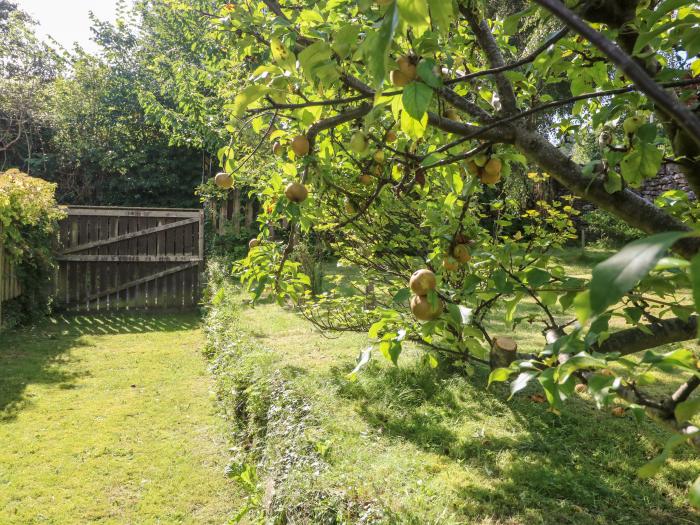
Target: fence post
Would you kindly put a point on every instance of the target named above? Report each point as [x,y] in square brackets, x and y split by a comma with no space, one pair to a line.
[236,217]
[249,213]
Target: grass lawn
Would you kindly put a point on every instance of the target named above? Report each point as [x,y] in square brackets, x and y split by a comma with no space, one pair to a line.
[109,420]
[410,444]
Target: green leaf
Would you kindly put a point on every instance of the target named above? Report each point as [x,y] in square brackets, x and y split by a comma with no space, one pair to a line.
[521,381]
[643,162]
[578,362]
[550,386]
[694,494]
[682,358]
[426,72]
[415,128]
[246,97]
[441,13]
[613,182]
[281,55]
[403,295]
[620,273]
[416,99]
[391,350]
[687,409]
[695,280]
[511,307]
[537,277]
[498,375]
[313,57]
[362,361]
[599,386]
[378,45]
[415,14]
[345,39]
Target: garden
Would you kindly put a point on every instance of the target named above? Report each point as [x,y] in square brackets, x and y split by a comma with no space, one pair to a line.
[452,270]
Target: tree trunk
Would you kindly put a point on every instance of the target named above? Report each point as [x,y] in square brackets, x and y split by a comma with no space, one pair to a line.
[504,351]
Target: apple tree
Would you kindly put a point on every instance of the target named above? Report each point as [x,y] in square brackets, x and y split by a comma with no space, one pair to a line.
[399,132]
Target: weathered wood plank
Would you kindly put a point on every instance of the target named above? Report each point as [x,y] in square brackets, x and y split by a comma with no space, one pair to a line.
[127,236]
[131,212]
[128,258]
[142,280]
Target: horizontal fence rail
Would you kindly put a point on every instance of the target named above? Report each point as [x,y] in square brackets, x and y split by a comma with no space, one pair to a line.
[129,258]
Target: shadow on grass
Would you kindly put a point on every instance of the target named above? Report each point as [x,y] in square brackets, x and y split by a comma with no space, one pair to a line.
[33,355]
[534,466]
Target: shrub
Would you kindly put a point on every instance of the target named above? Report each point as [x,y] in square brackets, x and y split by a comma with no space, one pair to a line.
[605,228]
[29,216]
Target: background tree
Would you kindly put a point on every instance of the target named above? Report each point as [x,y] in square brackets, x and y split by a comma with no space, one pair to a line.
[77,119]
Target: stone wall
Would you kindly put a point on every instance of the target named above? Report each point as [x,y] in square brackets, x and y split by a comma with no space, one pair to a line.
[669,178]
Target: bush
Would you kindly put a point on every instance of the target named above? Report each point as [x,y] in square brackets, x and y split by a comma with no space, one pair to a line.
[604,228]
[29,216]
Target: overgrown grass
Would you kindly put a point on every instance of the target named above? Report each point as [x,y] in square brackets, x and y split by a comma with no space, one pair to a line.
[109,420]
[411,444]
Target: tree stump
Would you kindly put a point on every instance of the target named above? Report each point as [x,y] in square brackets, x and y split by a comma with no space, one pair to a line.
[503,352]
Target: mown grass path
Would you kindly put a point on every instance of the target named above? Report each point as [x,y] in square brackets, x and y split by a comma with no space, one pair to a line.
[109,420]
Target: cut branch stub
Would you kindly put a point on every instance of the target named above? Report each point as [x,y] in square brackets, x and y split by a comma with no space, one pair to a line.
[503,352]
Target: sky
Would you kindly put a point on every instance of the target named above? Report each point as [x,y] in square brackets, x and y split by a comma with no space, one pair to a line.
[67,20]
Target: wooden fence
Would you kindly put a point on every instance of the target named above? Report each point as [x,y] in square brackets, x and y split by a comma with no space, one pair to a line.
[229,212]
[9,284]
[130,258]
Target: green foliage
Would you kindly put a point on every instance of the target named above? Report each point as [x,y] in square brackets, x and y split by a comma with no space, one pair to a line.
[84,124]
[29,218]
[416,444]
[604,228]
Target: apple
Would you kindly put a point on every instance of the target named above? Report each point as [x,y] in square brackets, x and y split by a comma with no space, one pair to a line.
[398,78]
[277,149]
[481,160]
[407,66]
[485,178]
[423,310]
[632,124]
[461,253]
[359,142]
[223,180]
[450,264]
[472,168]
[493,167]
[379,156]
[349,207]
[391,136]
[300,145]
[253,243]
[422,281]
[296,192]
[365,179]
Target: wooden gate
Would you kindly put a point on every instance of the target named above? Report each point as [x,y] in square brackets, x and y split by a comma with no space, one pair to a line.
[130,258]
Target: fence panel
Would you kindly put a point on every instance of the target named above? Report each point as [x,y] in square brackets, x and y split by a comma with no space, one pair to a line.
[130,258]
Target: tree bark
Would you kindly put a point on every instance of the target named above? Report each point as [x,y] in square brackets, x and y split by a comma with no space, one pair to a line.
[627,205]
[633,340]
